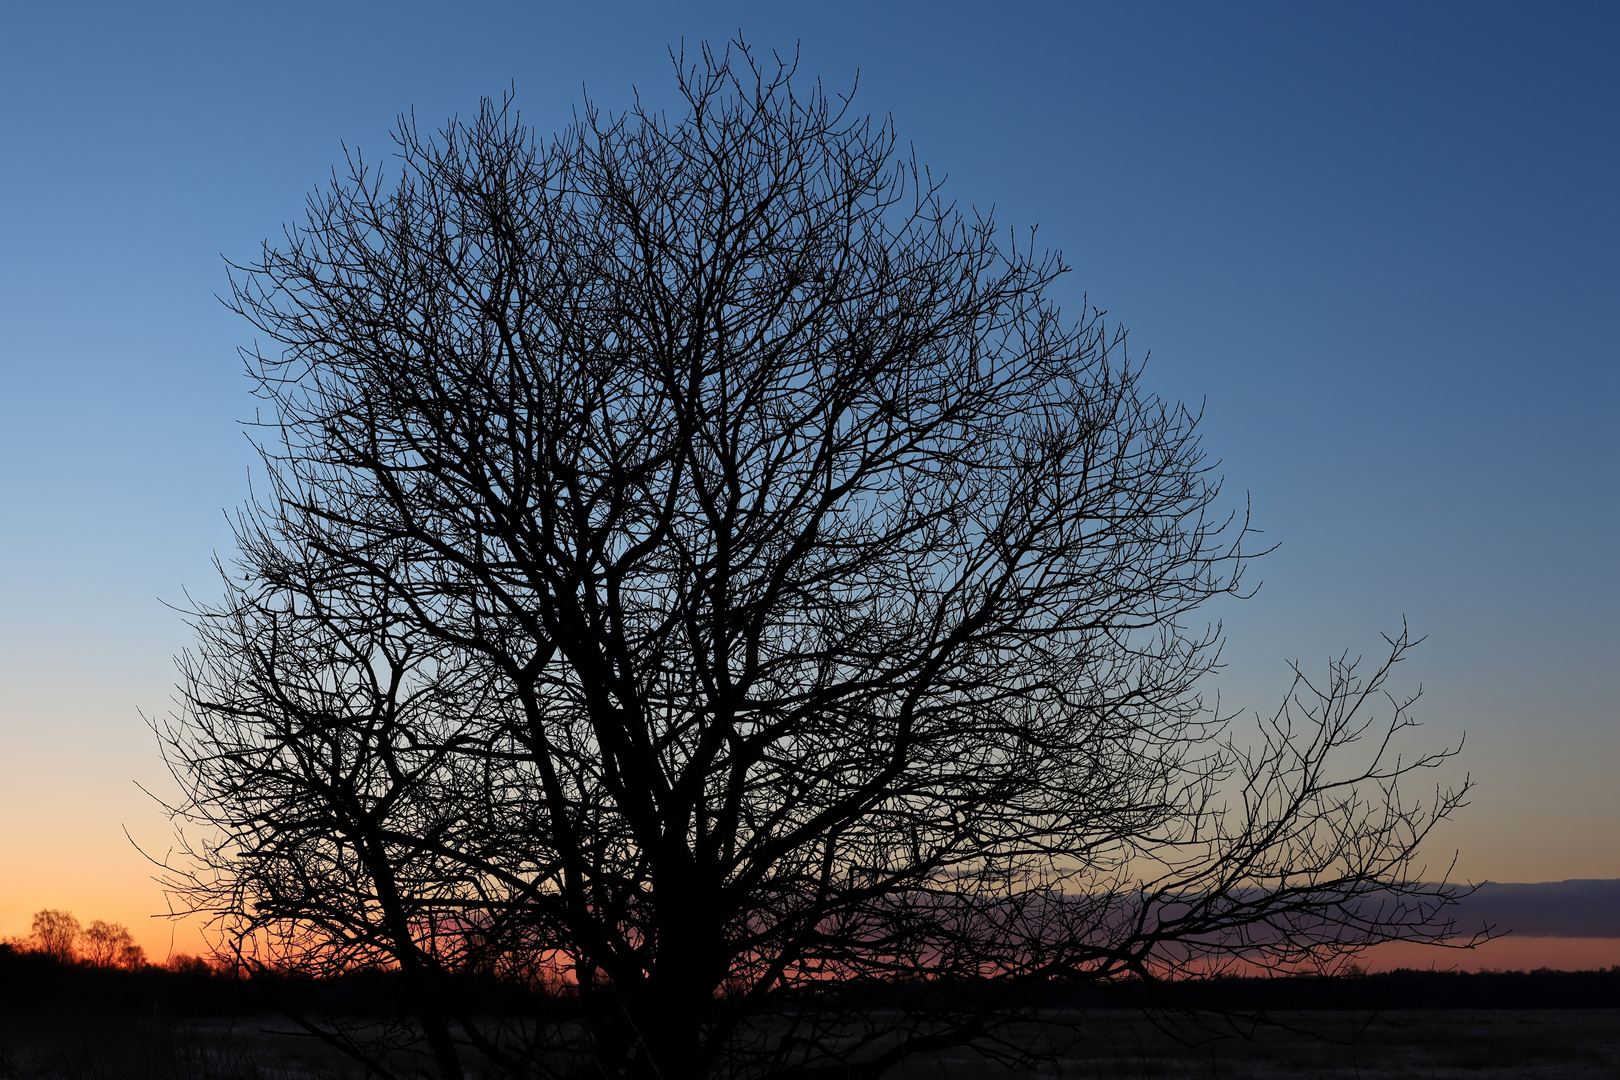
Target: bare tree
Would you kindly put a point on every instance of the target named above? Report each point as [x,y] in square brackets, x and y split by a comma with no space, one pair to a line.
[56,934]
[111,945]
[703,569]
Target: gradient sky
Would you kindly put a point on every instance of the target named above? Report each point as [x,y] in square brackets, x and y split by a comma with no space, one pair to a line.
[1380,242]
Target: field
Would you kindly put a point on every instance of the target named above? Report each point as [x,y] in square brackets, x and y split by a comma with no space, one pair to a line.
[1572,1044]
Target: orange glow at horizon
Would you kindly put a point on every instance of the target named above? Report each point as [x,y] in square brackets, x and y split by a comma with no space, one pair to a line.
[140,910]
[82,866]
[1508,953]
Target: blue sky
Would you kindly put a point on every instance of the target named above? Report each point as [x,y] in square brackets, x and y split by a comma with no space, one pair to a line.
[1381,243]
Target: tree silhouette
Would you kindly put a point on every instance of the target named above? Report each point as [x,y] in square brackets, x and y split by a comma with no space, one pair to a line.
[703,569]
[111,945]
[57,934]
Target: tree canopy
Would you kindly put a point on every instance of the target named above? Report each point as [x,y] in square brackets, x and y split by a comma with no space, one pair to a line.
[701,570]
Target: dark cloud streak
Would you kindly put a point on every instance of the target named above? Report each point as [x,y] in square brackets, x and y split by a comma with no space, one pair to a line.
[1581,908]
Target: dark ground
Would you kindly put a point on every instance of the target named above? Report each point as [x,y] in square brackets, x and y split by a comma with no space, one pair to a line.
[1405,1045]
[1574,1044]
[62,1022]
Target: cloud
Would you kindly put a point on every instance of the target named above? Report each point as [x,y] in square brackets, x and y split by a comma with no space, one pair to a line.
[1584,908]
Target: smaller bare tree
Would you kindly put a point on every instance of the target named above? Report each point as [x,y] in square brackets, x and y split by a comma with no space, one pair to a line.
[56,933]
[111,945]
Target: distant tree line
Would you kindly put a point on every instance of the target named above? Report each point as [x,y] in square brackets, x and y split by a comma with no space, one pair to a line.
[33,980]
[60,936]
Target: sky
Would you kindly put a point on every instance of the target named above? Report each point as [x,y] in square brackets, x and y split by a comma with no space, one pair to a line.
[1379,244]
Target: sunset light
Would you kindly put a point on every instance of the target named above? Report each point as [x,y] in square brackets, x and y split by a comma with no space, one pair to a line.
[706,540]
